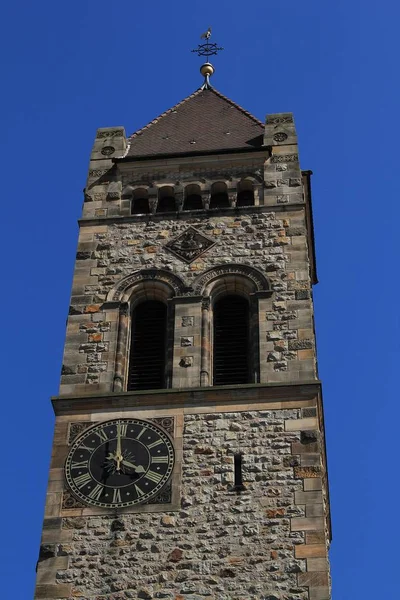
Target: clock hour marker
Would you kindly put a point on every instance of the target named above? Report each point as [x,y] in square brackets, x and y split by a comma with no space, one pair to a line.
[154,444]
[79,465]
[96,492]
[102,435]
[88,448]
[82,480]
[116,496]
[123,429]
[153,476]
[141,433]
[159,459]
[139,491]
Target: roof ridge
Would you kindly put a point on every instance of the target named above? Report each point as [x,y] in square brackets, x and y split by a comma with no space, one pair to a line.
[244,111]
[164,114]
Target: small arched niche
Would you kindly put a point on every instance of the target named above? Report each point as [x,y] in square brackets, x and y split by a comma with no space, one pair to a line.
[193,200]
[219,195]
[166,199]
[245,193]
[140,201]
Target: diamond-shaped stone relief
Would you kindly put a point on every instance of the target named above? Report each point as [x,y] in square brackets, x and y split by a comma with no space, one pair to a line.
[189,245]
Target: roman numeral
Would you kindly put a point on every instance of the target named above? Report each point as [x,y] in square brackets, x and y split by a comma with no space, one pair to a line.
[79,465]
[82,480]
[141,433]
[139,491]
[96,492]
[159,459]
[102,435]
[123,429]
[154,444]
[154,477]
[116,496]
[88,448]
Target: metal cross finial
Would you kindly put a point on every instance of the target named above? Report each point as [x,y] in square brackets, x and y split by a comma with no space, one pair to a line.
[208,48]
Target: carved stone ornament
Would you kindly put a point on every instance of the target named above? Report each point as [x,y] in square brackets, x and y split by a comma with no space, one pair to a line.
[108,150]
[69,501]
[76,429]
[277,158]
[273,120]
[164,497]
[166,423]
[110,133]
[190,245]
[280,136]
[97,172]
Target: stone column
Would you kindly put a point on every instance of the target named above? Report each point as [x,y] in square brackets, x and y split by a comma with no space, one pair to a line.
[122,348]
[205,374]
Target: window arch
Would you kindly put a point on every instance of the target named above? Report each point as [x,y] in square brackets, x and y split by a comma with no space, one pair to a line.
[245,193]
[193,200]
[148,349]
[140,201]
[219,195]
[166,199]
[231,324]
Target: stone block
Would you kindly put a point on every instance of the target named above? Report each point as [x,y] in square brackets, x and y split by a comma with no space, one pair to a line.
[314,497]
[310,551]
[59,591]
[313,579]
[307,524]
[301,424]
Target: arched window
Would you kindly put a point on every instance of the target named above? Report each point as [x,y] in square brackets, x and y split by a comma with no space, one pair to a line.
[219,195]
[166,199]
[231,341]
[140,201]
[245,193]
[193,198]
[148,346]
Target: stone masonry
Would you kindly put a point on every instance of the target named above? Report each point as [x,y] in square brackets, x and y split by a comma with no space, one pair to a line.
[200,539]
[270,541]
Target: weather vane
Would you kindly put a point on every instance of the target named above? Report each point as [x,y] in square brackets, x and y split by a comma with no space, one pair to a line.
[207,49]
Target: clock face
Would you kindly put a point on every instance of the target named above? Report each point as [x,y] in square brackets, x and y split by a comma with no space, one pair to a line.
[119,463]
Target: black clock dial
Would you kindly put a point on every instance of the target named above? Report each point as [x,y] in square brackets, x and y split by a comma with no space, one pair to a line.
[119,463]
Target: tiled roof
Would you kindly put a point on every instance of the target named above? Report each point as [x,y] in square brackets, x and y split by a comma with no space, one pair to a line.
[206,121]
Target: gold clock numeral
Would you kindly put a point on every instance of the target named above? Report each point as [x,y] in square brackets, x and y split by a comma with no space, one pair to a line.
[82,480]
[102,435]
[139,491]
[79,465]
[83,447]
[154,444]
[116,496]
[159,459]
[123,429]
[141,432]
[96,492]
[154,477]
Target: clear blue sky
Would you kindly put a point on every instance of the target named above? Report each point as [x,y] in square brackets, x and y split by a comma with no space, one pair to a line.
[68,68]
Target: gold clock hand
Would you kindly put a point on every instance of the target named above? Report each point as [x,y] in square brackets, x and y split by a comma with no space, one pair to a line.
[118,455]
[138,468]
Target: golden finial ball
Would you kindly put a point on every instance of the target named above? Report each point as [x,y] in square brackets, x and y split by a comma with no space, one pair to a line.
[207,69]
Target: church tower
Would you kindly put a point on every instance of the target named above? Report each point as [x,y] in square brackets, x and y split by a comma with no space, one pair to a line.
[188,458]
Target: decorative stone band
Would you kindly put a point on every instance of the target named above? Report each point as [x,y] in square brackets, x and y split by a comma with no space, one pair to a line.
[176,284]
[110,133]
[283,158]
[258,279]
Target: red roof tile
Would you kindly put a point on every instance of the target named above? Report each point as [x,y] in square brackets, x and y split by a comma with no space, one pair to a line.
[206,121]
